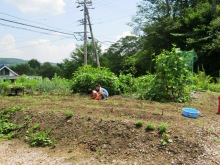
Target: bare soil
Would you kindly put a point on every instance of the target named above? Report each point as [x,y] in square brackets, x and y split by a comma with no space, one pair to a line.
[104,132]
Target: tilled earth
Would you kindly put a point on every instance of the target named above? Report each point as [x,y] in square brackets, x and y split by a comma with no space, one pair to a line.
[104,132]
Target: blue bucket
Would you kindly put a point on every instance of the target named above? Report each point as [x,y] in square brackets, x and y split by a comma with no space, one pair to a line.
[191,113]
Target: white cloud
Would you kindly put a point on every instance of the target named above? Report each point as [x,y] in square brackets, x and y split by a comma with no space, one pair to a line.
[42,50]
[7,44]
[124,34]
[42,6]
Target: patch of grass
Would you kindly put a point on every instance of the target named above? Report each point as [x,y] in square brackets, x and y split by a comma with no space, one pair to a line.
[69,114]
[139,124]
[150,127]
[163,128]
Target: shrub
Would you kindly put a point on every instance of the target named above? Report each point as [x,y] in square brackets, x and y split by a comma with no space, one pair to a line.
[173,80]
[87,77]
[201,81]
[143,84]
[126,84]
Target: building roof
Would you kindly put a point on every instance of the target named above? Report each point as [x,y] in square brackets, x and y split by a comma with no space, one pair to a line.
[3,66]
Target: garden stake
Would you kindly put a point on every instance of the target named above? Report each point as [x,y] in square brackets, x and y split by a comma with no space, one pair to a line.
[218,105]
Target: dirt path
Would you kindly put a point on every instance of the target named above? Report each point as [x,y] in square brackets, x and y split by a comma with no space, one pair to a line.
[15,152]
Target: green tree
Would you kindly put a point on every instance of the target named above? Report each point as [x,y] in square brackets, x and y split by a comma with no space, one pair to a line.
[23,69]
[76,59]
[48,70]
[34,63]
[119,56]
[191,24]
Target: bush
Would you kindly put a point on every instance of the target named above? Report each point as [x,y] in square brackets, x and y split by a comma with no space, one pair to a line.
[87,77]
[214,87]
[201,81]
[173,79]
[143,84]
[126,84]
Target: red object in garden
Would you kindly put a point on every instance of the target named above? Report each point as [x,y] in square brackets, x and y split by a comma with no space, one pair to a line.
[218,105]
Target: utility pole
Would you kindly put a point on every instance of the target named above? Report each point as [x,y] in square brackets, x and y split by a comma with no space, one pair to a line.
[85,33]
[93,40]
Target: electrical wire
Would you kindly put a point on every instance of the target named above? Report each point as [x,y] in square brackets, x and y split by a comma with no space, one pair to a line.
[37,27]
[16,27]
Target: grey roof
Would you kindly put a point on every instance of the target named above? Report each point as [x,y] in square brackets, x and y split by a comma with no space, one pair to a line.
[3,66]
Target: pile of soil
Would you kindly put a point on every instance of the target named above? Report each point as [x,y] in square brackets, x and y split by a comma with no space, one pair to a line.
[104,132]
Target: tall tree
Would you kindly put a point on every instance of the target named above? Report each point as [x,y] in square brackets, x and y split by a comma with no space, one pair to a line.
[34,64]
[48,70]
[23,69]
[76,59]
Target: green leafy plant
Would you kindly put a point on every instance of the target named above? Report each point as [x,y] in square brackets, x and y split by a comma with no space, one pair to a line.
[87,77]
[139,124]
[163,128]
[126,84]
[202,81]
[165,139]
[150,127]
[69,114]
[173,79]
[36,126]
[8,129]
[39,139]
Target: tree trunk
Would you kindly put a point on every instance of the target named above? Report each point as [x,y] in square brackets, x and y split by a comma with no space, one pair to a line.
[214,7]
[168,8]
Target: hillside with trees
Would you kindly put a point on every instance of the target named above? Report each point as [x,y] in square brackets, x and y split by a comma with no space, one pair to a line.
[12,61]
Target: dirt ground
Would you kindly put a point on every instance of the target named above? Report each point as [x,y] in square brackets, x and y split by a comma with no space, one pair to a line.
[104,132]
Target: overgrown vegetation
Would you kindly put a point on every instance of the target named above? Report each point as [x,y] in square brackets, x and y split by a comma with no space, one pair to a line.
[87,77]
[8,130]
[173,80]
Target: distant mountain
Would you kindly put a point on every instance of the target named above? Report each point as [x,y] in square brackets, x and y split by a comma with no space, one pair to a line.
[12,61]
[16,61]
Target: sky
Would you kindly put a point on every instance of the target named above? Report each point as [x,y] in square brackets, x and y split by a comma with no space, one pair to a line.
[19,37]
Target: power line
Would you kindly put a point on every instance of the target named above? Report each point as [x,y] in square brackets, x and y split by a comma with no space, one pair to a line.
[37,27]
[16,27]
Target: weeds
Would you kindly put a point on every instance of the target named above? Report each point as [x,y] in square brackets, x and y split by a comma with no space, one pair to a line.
[69,114]
[163,128]
[39,139]
[139,124]
[165,139]
[150,127]
[8,130]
